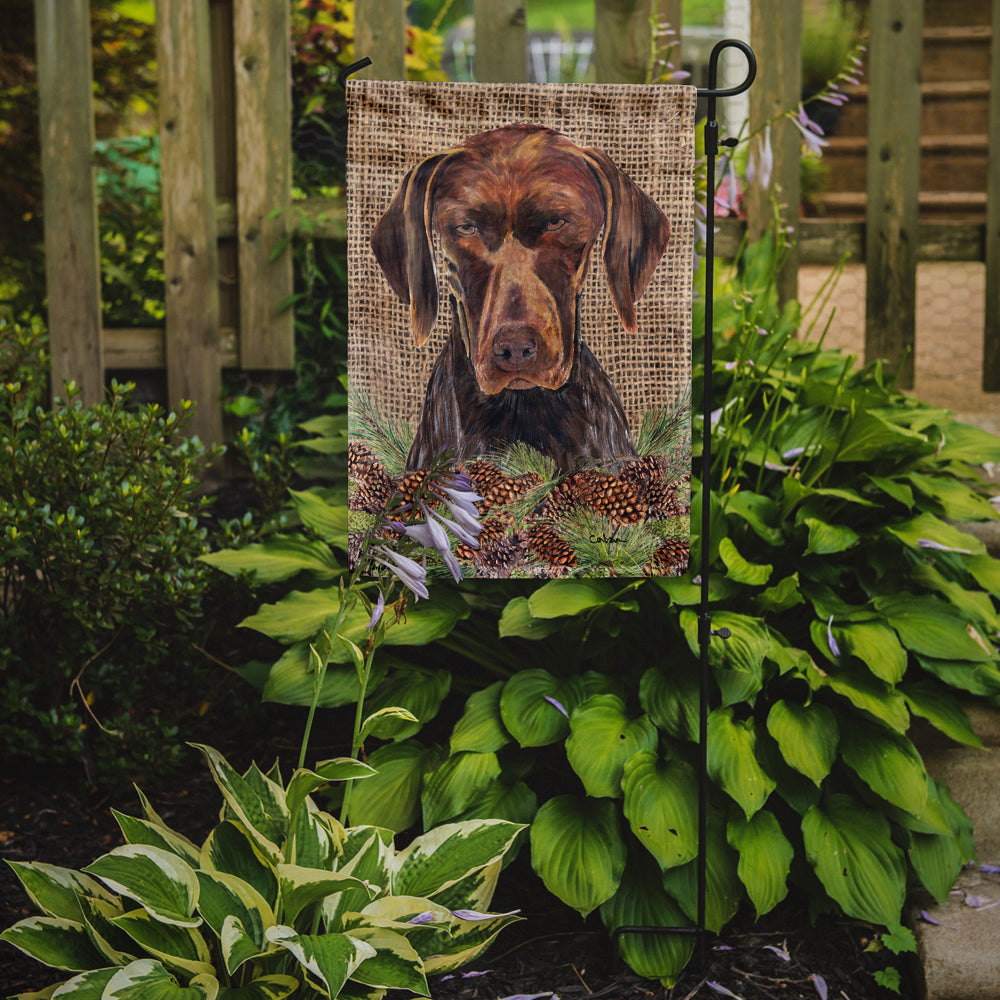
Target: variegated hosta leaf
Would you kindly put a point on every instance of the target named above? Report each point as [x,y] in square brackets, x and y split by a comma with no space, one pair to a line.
[141,831]
[850,847]
[149,980]
[456,784]
[300,887]
[226,898]
[765,858]
[481,727]
[367,853]
[578,851]
[177,947]
[328,959]
[256,801]
[304,782]
[158,880]
[230,849]
[86,986]
[54,941]
[275,987]
[56,891]
[602,737]
[467,940]
[661,799]
[475,891]
[116,946]
[642,902]
[315,838]
[395,964]
[441,857]
[807,736]
[732,760]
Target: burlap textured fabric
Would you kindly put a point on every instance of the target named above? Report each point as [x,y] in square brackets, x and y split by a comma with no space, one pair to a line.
[648,131]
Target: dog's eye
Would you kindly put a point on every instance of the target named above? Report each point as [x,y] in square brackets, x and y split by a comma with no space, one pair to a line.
[467,229]
[551,225]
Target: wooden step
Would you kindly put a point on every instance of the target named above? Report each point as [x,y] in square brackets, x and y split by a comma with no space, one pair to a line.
[956,53]
[947,162]
[958,206]
[945,103]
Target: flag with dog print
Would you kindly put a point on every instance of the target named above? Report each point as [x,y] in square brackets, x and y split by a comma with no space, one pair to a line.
[520,265]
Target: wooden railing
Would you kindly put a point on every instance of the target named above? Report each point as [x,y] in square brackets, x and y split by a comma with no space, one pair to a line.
[226,156]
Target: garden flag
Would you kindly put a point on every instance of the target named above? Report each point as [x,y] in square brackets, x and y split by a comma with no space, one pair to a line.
[520,274]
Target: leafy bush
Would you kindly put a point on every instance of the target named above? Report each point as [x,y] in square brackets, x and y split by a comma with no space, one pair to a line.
[279,899]
[99,539]
[854,605]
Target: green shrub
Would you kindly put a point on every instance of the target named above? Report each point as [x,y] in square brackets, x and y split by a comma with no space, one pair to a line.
[99,541]
[279,900]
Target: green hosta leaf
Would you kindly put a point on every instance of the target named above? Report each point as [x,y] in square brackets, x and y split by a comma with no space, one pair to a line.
[986,571]
[442,857]
[54,941]
[976,678]
[395,964]
[888,763]
[928,528]
[602,738]
[388,722]
[481,728]
[765,858]
[783,595]
[932,628]
[456,784]
[141,831]
[301,887]
[941,709]
[559,598]
[870,436]
[330,959]
[417,690]
[876,646]
[163,884]
[965,443]
[292,680]
[528,710]
[723,889]
[937,859]
[758,511]
[226,898]
[515,803]
[752,574]
[850,847]
[260,809]
[671,699]
[957,501]
[865,692]
[641,901]
[827,539]
[177,947]
[738,661]
[661,798]
[893,488]
[230,849]
[807,736]
[147,979]
[976,605]
[279,558]
[732,760]
[578,851]
[274,987]
[517,620]
[56,891]
[391,798]
[327,520]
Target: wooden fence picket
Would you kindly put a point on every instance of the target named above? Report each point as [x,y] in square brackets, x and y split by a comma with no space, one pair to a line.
[991,332]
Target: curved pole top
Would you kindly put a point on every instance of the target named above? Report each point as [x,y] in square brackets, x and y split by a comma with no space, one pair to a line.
[712,90]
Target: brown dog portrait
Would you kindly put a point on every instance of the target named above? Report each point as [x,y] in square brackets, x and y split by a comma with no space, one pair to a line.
[518,211]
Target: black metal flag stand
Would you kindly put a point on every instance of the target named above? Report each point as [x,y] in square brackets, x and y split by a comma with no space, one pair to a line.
[705,631]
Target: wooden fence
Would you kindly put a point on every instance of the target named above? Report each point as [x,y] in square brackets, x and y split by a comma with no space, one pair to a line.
[226,160]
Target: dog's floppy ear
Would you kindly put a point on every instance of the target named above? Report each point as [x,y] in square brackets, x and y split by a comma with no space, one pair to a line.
[401,241]
[636,234]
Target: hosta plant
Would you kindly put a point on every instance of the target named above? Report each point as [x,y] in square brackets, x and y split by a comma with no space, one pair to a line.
[279,900]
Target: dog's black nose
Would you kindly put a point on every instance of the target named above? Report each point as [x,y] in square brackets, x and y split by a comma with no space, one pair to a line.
[515,348]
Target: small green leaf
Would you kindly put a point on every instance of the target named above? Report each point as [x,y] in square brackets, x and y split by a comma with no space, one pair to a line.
[578,851]
[765,858]
[517,620]
[751,574]
[828,539]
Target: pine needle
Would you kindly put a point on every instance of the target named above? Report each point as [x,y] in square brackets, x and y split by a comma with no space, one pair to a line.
[666,429]
[389,437]
[600,544]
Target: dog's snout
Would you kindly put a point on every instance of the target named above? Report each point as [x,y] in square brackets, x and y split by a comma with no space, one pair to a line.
[515,348]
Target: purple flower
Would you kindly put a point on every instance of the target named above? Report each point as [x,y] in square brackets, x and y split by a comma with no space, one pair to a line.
[410,573]
[463,532]
[820,983]
[558,705]
[427,917]
[927,543]
[475,915]
[780,952]
[834,648]
[761,163]
[377,612]
[719,988]
[811,132]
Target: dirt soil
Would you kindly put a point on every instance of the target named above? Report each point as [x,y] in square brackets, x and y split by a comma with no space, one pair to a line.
[551,953]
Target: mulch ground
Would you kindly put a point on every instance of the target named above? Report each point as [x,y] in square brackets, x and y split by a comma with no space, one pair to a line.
[551,953]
